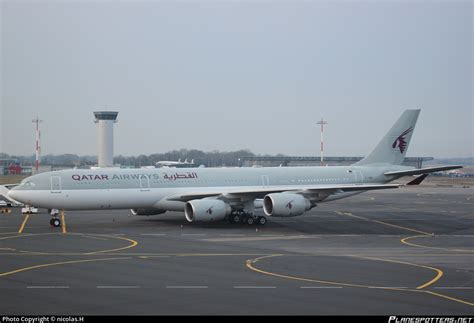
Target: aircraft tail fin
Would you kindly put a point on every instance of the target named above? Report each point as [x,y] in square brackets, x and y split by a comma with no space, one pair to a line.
[393,147]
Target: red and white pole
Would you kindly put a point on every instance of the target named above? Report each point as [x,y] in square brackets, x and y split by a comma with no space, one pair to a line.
[38,147]
[322,123]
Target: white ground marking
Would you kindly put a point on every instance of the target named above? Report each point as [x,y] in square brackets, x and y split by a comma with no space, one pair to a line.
[47,287]
[187,287]
[254,287]
[118,287]
[261,238]
[321,287]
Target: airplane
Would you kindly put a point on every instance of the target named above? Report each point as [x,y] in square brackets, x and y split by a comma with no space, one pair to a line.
[235,194]
[179,163]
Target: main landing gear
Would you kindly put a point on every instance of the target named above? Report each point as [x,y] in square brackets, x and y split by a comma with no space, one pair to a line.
[241,216]
[55,220]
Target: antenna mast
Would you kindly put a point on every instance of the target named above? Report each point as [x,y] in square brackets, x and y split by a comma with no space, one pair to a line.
[38,147]
[322,122]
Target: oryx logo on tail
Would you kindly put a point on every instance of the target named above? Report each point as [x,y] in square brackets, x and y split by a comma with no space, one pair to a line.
[400,142]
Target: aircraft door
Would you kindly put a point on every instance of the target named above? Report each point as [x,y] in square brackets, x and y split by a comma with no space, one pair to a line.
[55,184]
[358,177]
[144,183]
[265,181]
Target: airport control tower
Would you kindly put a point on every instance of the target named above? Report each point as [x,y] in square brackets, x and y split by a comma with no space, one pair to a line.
[105,121]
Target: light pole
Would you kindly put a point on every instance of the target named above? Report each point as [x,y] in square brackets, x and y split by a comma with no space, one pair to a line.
[38,147]
[322,122]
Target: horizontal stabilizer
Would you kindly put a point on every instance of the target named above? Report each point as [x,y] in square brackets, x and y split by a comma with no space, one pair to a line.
[420,171]
[418,180]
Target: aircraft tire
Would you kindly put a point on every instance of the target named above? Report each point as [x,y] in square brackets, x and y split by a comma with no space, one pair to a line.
[56,223]
[235,218]
[261,220]
[250,220]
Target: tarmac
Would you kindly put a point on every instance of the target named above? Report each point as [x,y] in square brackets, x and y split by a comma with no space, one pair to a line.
[399,252]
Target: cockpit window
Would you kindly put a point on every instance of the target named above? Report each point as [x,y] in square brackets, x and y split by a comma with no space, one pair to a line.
[28,184]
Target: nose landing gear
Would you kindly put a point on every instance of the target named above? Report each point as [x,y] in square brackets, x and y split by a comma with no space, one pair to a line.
[55,220]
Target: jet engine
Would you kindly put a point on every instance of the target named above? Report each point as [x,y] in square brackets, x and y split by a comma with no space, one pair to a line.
[206,210]
[285,204]
[150,211]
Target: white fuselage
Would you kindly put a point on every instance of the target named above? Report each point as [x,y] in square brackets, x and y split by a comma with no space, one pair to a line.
[114,188]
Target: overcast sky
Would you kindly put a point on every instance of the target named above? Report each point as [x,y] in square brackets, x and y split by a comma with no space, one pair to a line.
[228,75]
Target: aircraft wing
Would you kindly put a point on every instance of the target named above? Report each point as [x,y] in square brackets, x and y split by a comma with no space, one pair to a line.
[4,195]
[422,170]
[8,186]
[261,192]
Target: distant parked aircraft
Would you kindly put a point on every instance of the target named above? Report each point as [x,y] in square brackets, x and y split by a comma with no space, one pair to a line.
[179,163]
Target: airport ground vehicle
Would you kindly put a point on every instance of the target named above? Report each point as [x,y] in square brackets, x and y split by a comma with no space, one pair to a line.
[29,210]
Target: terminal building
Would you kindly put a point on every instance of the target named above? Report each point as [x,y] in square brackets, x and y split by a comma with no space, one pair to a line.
[10,166]
[269,161]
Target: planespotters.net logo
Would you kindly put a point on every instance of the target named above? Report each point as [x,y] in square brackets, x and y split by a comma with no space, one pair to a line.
[429,319]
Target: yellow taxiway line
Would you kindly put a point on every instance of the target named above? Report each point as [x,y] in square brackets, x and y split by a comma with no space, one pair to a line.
[63,223]
[383,223]
[405,241]
[133,244]
[439,272]
[250,265]
[57,264]
[22,227]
